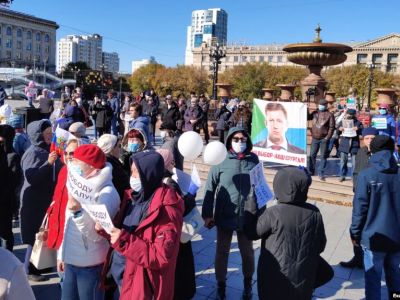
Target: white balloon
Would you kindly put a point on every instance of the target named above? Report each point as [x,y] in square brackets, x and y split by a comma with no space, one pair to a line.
[214,153]
[190,145]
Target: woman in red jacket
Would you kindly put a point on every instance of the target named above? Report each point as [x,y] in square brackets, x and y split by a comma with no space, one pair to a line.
[56,210]
[150,235]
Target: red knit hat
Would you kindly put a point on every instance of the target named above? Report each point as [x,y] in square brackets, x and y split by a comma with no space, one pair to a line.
[92,155]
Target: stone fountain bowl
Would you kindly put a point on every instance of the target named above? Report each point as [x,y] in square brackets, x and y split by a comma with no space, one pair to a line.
[317,54]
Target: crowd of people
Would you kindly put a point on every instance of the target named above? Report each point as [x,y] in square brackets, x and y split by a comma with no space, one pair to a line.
[143,256]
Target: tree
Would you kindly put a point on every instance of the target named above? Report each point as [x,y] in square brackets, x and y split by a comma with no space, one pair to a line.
[145,78]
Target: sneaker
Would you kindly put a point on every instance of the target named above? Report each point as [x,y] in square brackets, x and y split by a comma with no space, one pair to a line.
[341,179]
[322,178]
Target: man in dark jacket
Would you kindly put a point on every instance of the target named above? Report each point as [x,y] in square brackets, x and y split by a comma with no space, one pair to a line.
[228,186]
[323,124]
[376,218]
[361,163]
[170,113]
[193,116]
[222,115]
[203,103]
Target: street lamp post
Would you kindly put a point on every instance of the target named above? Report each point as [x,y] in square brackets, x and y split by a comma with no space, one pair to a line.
[370,80]
[216,53]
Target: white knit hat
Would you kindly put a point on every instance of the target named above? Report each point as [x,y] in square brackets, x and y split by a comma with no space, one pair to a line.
[107,142]
[77,128]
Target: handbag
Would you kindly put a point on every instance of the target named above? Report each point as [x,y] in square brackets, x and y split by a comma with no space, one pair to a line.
[43,257]
[192,223]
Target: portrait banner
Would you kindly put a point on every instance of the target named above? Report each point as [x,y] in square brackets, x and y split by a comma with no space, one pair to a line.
[279,132]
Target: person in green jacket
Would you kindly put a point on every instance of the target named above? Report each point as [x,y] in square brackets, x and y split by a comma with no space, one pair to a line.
[227,188]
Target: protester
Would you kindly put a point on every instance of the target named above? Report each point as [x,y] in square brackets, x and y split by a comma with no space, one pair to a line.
[14,284]
[78,130]
[338,114]
[104,115]
[361,163]
[65,96]
[83,252]
[57,208]
[111,146]
[180,124]
[93,113]
[31,92]
[193,116]
[21,140]
[232,181]
[151,232]
[11,185]
[185,279]
[136,114]
[170,141]
[348,145]
[46,104]
[125,116]
[205,106]
[115,107]
[293,236]
[170,114]
[241,117]
[151,111]
[222,115]
[40,169]
[323,124]
[73,113]
[389,127]
[376,219]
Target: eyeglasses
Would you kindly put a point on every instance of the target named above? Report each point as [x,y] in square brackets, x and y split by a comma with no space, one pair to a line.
[69,153]
[238,139]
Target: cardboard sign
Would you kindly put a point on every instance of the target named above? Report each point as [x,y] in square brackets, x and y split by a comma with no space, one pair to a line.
[379,123]
[99,214]
[348,128]
[80,188]
[351,103]
[261,188]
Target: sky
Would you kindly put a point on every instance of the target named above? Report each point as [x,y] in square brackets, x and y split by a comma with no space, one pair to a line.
[140,29]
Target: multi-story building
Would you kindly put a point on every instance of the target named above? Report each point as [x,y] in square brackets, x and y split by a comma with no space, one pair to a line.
[382,53]
[85,48]
[111,62]
[27,41]
[207,26]
[136,64]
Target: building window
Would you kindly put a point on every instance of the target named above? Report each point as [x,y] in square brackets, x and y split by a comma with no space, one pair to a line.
[47,49]
[29,46]
[9,43]
[377,59]
[47,38]
[19,45]
[9,31]
[252,58]
[208,29]
[244,58]
[279,59]
[362,58]
[37,47]
[392,62]
[198,39]
[261,59]
[19,56]
[19,32]
[38,36]
[270,59]
[8,54]
[29,35]
[235,58]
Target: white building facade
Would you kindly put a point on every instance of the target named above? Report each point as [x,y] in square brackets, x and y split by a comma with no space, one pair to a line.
[84,48]
[111,62]
[206,26]
[27,41]
[136,64]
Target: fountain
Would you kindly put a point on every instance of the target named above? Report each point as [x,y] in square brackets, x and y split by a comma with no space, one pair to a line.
[268,94]
[315,56]
[287,92]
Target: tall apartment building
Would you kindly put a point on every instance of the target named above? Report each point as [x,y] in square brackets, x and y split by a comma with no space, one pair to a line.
[85,48]
[136,64]
[206,25]
[27,41]
[111,62]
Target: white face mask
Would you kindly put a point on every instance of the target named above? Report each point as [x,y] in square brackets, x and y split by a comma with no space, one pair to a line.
[135,184]
[163,134]
[239,147]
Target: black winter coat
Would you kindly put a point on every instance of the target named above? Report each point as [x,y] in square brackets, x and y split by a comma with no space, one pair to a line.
[222,116]
[119,175]
[104,115]
[293,236]
[170,115]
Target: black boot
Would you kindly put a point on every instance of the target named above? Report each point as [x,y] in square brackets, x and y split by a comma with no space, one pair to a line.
[352,263]
[247,289]
[221,291]
[34,274]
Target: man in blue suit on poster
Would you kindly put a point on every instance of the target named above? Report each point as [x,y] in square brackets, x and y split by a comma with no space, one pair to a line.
[277,125]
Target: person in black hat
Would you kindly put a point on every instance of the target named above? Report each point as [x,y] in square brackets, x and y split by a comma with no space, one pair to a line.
[361,163]
[376,218]
[323,124]
[349,129]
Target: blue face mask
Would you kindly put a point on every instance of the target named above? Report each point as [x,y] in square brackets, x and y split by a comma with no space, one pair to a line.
[133,147]
[321,107]
[239,147]
[76,169]
[135,184]
[383,111]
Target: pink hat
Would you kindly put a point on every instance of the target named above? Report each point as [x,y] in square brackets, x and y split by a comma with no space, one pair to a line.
[384,105]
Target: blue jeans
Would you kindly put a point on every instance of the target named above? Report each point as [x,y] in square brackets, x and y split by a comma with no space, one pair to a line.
[82,283]
[114,127]
[374,262]
[315,146]
[344,157]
